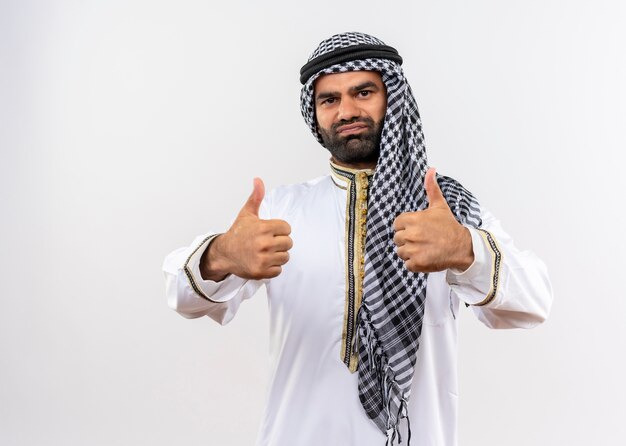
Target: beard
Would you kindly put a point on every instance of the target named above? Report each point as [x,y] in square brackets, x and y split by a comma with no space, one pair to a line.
[363,147]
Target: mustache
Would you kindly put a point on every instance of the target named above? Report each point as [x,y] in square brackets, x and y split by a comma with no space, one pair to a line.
[367,121]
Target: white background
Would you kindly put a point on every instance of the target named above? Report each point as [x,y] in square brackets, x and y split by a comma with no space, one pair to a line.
[129,127]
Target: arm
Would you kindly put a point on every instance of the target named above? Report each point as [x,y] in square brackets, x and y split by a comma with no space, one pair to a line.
[505,287]
[189,294]
[218,271]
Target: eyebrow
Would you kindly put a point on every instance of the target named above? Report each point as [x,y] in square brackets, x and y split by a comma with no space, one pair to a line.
[355,89]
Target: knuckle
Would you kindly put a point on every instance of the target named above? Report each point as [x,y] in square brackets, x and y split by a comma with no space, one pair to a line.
[278,227]
[264,244]
[399,240]
[415,233]
[410,265]
[397,222]
[403,254]
[257,273]
[258,246]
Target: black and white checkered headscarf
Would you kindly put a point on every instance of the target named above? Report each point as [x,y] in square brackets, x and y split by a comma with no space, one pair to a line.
[391,313]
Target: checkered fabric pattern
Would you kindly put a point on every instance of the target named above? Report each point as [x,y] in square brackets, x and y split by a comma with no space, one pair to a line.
[343,41]
[391,314]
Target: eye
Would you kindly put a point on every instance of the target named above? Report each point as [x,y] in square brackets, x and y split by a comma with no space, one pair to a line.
[328,101]
[364,93]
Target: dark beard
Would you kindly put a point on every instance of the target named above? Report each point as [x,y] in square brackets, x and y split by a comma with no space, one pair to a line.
[353,149]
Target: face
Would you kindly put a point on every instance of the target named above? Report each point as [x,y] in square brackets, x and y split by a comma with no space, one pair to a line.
[350,109]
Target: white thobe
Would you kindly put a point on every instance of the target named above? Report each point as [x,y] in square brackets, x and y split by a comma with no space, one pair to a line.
[312,396]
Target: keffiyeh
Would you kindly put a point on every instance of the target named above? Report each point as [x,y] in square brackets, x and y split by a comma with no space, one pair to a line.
[391,314]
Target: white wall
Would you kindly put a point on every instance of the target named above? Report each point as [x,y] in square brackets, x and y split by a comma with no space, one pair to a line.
[129,127]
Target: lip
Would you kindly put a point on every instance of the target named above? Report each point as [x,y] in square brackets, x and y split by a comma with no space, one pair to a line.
[351,128]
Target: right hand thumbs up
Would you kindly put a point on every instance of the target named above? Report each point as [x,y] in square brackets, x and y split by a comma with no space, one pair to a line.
[254,201]
[252,248]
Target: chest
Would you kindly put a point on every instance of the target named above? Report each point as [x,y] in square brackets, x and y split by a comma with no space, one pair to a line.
[310,291]
[314,296]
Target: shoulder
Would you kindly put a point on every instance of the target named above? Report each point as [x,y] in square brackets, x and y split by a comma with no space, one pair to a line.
[283,199]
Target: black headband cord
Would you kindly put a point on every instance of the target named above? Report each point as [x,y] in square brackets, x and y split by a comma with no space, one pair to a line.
[348,54]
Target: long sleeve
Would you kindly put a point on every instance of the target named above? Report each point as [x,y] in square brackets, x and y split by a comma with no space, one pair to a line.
[191,296]
[505,287]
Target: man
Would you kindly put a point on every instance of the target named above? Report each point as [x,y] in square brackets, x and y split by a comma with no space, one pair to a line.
[365,268]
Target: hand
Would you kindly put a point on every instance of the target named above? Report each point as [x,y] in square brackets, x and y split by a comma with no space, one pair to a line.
[252,248]
[432,240]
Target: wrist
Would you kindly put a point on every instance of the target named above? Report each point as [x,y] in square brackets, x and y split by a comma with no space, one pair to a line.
[465,250]
[213,263]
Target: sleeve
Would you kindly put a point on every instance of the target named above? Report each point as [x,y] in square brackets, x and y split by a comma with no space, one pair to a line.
[192,296]
[505,287]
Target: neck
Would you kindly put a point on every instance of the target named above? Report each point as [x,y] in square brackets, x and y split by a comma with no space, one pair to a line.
[358,166]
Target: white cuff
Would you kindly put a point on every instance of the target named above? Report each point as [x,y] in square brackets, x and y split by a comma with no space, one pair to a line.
[207,289]
[478,284]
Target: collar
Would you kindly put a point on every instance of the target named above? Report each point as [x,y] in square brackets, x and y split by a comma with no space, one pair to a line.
[342,176]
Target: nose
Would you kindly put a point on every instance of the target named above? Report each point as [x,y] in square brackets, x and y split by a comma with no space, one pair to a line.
[348,109]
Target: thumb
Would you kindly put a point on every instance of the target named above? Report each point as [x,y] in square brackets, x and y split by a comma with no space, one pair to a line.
[433,192]
[251,207]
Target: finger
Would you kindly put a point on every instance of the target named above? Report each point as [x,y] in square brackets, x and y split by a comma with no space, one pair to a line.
[403,254]
[278,227]
[273,271]
[399,239]
[399,223]
[279,258]
[283,243]
[433,192]
[251,207]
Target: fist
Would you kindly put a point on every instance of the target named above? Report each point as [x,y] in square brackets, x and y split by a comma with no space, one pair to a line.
[252,248]
[432,240]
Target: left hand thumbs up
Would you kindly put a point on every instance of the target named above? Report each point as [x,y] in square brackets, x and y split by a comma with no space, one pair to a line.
[433,191]
[432,240]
